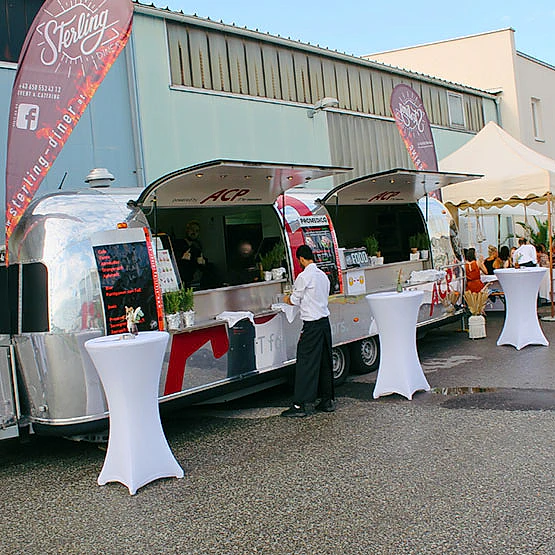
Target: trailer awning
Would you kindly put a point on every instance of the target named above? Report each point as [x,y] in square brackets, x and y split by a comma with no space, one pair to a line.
[392,187]
[230,183]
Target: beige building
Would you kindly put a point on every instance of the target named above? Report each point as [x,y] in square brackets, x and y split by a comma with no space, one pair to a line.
[490,61]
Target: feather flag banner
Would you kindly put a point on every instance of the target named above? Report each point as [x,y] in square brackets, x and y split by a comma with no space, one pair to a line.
[67,52]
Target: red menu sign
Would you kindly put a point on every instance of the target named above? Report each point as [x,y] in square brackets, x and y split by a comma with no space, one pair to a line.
[128,278]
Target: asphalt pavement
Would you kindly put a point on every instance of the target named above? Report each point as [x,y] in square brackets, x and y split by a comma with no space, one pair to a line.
[467,468]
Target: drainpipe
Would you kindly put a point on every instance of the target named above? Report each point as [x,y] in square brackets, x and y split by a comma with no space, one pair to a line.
[135,112]
[497,93]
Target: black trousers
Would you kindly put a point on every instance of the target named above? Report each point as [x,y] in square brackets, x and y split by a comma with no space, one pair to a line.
[314,368]
[529,264]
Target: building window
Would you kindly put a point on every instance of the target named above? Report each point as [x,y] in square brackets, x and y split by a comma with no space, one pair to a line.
[537,119]
[456,109]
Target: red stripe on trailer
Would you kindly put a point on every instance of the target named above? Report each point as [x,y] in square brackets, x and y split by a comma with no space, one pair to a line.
[184,345]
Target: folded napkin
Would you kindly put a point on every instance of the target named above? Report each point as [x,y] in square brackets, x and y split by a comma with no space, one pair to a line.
[291,311]
[233,317]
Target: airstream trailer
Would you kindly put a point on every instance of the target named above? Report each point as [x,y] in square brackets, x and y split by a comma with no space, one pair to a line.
[242,338]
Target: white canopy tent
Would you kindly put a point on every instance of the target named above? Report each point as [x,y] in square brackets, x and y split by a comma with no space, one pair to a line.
[513,174]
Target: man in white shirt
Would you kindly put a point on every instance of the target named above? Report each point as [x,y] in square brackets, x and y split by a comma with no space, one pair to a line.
[314,368]
[525,255]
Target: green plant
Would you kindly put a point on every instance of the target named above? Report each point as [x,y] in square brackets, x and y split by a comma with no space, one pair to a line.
[413,241]
[372,245]
[423,242]
[187,299]
[540,236]
[172,301]
[273,258]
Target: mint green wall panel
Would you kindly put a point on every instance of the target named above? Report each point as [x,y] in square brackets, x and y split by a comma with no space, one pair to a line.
[181,127]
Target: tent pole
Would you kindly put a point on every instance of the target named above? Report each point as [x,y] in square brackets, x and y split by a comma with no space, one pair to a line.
[550,242]
[549,216]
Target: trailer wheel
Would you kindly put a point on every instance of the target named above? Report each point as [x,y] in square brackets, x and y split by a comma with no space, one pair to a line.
[365,355]
[341,361]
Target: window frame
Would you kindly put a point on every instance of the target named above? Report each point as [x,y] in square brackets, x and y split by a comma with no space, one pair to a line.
[537,125]
[456,96]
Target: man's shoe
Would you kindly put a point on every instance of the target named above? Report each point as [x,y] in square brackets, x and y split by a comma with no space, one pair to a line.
[295,411]
[326,405]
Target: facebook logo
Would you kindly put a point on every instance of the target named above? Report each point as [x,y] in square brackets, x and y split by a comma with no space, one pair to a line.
[27,116]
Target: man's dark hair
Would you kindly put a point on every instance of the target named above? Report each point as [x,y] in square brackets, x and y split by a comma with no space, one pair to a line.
[305,251]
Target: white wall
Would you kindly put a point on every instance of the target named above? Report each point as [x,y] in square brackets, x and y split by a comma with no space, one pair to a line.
[536,80]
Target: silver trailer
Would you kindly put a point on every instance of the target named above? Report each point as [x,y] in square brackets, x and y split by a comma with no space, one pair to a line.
[54,293]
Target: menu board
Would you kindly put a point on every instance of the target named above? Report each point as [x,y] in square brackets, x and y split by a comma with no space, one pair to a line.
[317,235]
[128,277]
[167,273]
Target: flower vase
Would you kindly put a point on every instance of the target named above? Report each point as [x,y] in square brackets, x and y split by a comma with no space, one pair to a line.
[188,318]
[476,327]
[174,321]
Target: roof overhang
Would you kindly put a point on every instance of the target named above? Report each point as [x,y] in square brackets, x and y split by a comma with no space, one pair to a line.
[230,183]
[397,186]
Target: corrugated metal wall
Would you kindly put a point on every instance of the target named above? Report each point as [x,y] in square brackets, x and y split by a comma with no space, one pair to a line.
[366,144]
[206,58]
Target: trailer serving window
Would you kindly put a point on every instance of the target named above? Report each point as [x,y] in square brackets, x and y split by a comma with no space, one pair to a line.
[392,225]
[229,243]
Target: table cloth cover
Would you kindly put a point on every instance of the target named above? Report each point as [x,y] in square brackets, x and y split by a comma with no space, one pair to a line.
[129,370]
[396,315]
[521,326]
[545,286]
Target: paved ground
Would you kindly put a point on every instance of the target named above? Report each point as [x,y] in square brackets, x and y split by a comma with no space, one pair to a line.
[465,469]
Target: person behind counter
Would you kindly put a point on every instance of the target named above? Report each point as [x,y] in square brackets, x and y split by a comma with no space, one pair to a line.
[194,268]
[314,367]
[243,268]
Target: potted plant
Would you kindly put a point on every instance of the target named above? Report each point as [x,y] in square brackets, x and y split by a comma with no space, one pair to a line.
[423,245]
[172,308]
[372,245]
[476,303]
[187,305]
[413,244]
[272,261]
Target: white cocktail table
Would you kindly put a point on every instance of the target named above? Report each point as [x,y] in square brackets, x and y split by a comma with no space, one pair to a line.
[129,370]
[396,315]
[521,326]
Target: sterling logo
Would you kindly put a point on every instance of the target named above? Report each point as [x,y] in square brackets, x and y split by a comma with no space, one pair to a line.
[77,32]
[27,117]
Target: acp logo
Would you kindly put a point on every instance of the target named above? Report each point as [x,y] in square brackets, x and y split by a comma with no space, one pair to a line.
[27,116]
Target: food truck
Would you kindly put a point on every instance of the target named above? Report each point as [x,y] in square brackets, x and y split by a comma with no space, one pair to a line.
[78,259]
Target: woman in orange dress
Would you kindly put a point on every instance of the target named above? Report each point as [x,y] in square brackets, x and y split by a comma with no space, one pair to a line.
[473,282]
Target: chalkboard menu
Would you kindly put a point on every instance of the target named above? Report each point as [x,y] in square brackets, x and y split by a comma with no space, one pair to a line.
[318,236]
[128,277]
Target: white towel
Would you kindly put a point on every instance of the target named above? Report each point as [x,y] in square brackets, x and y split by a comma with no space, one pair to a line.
[291,311]
[233,317]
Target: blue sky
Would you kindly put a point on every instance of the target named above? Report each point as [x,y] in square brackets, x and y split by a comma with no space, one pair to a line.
[358,27]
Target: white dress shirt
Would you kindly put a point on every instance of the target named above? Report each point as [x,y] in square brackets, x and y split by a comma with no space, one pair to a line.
[310,293]
[525,253]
